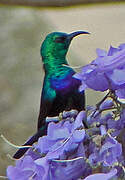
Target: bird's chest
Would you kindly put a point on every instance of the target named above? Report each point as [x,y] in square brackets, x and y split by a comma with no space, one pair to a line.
[64,83]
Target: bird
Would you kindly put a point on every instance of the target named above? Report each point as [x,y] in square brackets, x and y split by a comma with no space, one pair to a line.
[60,90]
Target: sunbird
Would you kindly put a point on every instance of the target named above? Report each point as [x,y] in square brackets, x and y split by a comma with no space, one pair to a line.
[60,89]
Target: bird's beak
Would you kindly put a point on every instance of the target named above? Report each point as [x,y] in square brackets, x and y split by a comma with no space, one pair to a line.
[76,33]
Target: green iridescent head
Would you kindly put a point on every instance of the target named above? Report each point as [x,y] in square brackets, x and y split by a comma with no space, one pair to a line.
[56,44]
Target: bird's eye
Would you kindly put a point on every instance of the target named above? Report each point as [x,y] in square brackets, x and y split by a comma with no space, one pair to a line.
[60,39]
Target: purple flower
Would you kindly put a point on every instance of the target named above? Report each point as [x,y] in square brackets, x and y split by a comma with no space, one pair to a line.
[70,170]
[110,151]
[103,176]
[116,125]
[107,71]
[64,142]
[103,130]
[25,169]
[106,104]
[58,133]
[69,152]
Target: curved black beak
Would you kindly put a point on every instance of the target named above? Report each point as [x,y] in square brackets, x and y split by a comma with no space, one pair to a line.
[76,33]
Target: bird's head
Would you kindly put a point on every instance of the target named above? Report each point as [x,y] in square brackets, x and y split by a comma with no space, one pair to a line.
[56,44]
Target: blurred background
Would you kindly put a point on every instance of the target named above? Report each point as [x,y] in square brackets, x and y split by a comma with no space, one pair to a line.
[22,30]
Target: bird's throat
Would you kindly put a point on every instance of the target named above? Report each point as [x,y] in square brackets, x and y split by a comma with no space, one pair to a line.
[53,64]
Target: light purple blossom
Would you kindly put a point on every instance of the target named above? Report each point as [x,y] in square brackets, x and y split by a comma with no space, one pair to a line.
[25,169]
[106,104]
[63,141]
[70,152]
[110,151]
[103,176]
[107,71]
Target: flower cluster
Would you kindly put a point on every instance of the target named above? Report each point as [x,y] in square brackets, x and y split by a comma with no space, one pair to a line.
[107,71]
[87,145]
[69,151]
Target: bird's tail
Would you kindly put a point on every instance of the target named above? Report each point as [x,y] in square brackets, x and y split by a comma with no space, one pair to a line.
[41,132]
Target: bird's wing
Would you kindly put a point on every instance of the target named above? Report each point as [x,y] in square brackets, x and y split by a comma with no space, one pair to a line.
[45,107]
[47,97]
